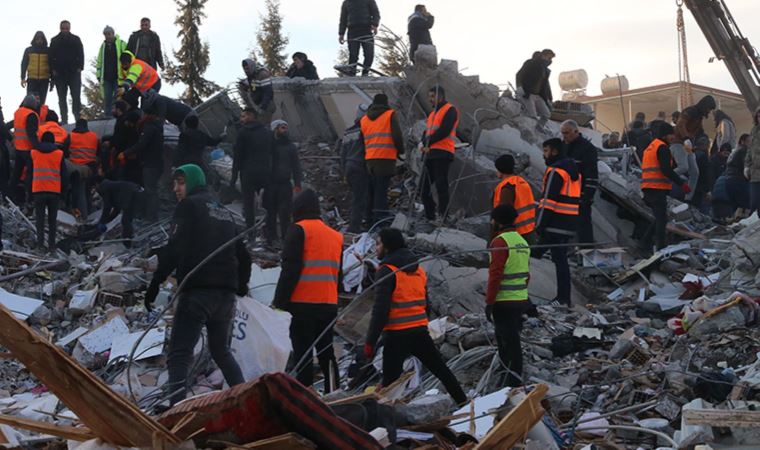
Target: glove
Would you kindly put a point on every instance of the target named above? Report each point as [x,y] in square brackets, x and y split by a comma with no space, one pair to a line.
[102,228]
[489,313]
[685,188]
[297,189]
[369,351]
[150,296]
[122,157]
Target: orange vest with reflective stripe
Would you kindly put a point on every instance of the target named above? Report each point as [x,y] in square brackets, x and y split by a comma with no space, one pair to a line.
[43,113]
[58,132]
[147,78]
[378,137]
[434,122]
[525,204]
[46,171]
[20,139]
[651,175]
[408,301]
[569,197]
[84,148]
[322,254]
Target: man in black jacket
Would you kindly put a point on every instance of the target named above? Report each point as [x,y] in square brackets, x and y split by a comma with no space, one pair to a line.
[146,45]
[122,197]
[201,226]
[418,29]
[533,88]
[125,135]
[252,160]
[302,67]
[584,153]
[437,158]
[361,18]
[351,151]
[173,111]
[278,195]
[256,90]
[149,149]
[35,67]
[192,142]
[67,64]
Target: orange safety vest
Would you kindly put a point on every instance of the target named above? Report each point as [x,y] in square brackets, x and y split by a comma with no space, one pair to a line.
[408,300]
[20,138]
[378,137]
[46,173]
[147,78]
[43,113]
[434,122]
[322,254]
[569,196]
[651,175]
[84,148]
[525,204]
[57,130]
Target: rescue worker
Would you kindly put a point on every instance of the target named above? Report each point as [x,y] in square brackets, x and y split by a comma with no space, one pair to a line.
[507,292]
[657,179]
[48,171]
[200,227]
[35,67]
[119,197]
[557,213]
[351,151]
[125,135]
[61,136]
[108,66]
[400,315]
[585,155]
[83,159]
[26,123]
[43,109]
[286,179]
[514,191]
[308,289]
[137,74]
[383,143]
[438,149]
[256,90]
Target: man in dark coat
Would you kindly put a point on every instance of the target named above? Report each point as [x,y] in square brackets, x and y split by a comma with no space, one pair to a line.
[418,29]
[149,150]
[146,45]
[286,179]
[192,142]
[585,155]
[67,64]
[361,18]
[302,67]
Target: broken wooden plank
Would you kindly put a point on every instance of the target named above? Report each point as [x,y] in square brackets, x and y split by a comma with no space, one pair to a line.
[290,441]
[72,433]
[722,418]
[514,427]
[108,415]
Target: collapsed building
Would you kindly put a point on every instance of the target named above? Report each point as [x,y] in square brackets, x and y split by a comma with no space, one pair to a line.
[657,352]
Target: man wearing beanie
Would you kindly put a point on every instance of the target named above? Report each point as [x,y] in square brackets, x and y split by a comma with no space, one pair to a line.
[286,179]
[200,227]
[108,66]
[514,191]
[383,142]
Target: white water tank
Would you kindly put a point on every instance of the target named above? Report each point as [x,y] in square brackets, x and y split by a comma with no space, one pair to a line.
[614,85]
[573,80]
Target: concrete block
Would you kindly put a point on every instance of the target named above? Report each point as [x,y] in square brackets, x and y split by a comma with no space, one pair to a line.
[690,435]
[426,409]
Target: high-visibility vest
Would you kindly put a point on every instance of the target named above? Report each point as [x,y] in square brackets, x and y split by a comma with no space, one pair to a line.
[651,175]
[141,75]
[569,198]
[434,121]
[46,171]
[514,281]
[408,301]
[57,130]
[83,149]
[39,67]
[525,204]
[20,139]
[378,137]
[43,113]
[322,254]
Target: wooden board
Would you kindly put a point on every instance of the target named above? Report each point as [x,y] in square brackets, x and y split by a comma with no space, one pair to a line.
[72,433]
[722,418]
[290,441]
[108,415]
[515,426]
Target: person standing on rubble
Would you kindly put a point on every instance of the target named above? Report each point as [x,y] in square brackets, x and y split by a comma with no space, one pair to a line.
[515,192]
[192,142]
[61,136]
[125,136]
[752,163]
[108,67]
[149,150]
[558,212]
[252,160]
[400,314]
[585,155]
[418,29]
[530,81]
[383,143]
[361,18]
[49,177]
[119,197]
[689,125]
[35,67]
[201,227]
[507,292]
[26,123]
[66,64]
[438,147]
[351,151]
[657,179]
[83,158]
[286,179]
[302,67]
[146,45]
[256,90]
[308,289]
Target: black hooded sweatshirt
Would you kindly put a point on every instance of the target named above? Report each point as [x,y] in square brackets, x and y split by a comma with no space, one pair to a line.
[66,54]
[308,71]
[35,49]
[384,291]
[564,224]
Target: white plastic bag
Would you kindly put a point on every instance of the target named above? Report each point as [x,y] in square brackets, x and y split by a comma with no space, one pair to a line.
[260,338]
[353,266]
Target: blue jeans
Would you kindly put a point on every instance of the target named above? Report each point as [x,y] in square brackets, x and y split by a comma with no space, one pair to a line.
[109,90]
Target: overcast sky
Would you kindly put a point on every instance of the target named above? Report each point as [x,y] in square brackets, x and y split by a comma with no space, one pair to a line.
[490,38]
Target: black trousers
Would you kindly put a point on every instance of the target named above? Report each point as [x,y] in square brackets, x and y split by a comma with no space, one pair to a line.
[358,182]
[507,321]
[278,201]
[64,83]
[657,199]
[214,309]
[585,225]
[436,172]
[399,345]
[361,38]
[23,161]
[46,202]
[150,179]
[559,258]
[250,186]
[304,330]
[39,87]
[378,197]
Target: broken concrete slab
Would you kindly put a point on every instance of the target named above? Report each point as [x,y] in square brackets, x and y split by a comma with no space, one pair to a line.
[449,240]
[83,301]
[426,409]
[690,435]
[22,307]
[102,338]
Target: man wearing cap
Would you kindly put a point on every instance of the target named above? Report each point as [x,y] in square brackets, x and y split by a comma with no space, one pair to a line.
[200,227]
[286,179]
[351,151]
[109,66]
